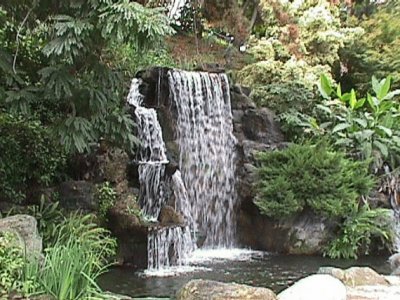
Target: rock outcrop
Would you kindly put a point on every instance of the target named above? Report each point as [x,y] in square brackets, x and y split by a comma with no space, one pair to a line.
[206,289]
[25,227]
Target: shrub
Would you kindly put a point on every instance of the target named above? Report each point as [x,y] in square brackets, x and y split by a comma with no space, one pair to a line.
[11,263]
[312,176]
[357,231]
[29,157]
[283,96]
[107,197]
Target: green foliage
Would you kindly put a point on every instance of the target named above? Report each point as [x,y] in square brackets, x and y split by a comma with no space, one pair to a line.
[357,232]
[309,176]
[107,197]
[29,157]
[284,96]
[77,255]
[11,262]
[375,52]
[65,72]
[48,215]
[367,127]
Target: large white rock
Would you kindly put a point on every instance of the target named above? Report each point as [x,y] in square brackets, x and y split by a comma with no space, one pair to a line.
[315,287]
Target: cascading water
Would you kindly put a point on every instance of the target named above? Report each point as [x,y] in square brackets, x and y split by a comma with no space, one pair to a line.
[167,245]
[203,188]
[175,9]
[207,156]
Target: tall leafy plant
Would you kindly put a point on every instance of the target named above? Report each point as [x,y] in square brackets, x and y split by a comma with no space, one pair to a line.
[366,127]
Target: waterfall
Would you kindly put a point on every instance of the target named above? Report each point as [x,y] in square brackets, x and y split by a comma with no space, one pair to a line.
[175,9]
[203,188]
[207,156]
[168,245]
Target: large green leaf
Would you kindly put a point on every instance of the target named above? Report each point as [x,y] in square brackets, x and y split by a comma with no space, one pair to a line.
[353,99]
[376,85]
[384,88]
[386,130]
[362,122]
[340,127]
[382,148]
[325,86]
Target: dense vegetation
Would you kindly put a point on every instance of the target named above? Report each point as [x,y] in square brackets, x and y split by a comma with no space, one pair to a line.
[310,176]
[329,69]
[358,119]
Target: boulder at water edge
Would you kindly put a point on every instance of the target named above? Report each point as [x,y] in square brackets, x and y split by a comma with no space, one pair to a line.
[206,289]
[315,287]
[26,228]
[394,261]
[355,276]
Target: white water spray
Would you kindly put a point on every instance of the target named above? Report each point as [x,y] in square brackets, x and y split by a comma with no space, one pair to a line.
[168,245]
[207,156]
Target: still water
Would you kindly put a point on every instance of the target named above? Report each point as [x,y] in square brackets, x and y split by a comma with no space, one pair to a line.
[248,267]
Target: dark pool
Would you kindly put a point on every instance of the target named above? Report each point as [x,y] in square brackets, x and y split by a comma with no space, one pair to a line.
[258,269]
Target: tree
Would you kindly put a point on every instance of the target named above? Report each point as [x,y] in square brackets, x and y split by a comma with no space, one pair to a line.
[376,52]
[58,65]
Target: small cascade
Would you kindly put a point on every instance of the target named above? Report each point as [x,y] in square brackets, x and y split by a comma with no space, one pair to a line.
[151,156]
[175,9]
[207,156]
[166,245]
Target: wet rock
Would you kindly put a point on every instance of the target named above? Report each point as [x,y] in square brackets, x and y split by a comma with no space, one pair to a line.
[315,287]
[304,233]
[131,234]
[113,166]
[78,195]
[260,125]
[25,227]
[241,101]
[355,276]
[206,289]
[309,234]
[168,216]
[394,261]
[239,89]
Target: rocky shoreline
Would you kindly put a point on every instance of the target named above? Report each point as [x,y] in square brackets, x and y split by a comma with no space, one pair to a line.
[355,283]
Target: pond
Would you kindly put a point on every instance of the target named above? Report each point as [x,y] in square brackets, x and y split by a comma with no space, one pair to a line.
[241,266]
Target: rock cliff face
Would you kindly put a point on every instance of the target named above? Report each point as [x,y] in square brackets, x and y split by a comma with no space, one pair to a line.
[256,130]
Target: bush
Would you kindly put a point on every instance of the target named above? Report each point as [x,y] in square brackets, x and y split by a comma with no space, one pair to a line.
[357,231]
[107,197]
[29,158]
[309,176]
[11,263]
[284,96]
